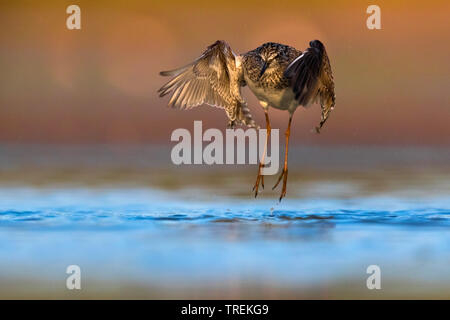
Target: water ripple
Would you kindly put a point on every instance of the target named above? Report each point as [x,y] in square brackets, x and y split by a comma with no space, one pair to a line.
[422,217]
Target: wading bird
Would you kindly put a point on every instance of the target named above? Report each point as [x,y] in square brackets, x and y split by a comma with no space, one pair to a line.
[280,76]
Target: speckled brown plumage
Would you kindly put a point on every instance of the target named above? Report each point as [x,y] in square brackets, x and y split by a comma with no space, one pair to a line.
[290,78]
[280,76]
[279,55]
[213,79]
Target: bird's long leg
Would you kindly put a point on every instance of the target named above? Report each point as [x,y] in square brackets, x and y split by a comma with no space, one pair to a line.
[260,177]
[284,173]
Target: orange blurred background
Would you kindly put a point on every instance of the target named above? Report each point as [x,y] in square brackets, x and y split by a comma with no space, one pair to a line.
[98,84]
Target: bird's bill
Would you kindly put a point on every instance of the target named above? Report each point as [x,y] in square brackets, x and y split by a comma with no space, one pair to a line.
[263,69]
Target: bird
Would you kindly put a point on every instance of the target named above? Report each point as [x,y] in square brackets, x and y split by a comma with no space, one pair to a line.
[280,76]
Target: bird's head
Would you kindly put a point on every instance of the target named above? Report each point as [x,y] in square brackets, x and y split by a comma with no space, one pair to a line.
[268,59]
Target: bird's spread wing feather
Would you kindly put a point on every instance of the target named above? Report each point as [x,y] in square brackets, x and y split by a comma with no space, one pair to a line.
[311,79]
[211,79]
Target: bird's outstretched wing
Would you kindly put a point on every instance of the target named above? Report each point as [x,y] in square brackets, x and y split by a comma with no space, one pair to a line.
[213,79]
[312,80]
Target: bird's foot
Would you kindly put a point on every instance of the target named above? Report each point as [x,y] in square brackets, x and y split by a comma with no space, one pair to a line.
[283,175]
[259,180]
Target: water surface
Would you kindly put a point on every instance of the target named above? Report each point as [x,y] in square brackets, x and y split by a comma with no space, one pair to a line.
[168,232]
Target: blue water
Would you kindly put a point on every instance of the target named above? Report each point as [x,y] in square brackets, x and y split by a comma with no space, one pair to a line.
[151,237]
